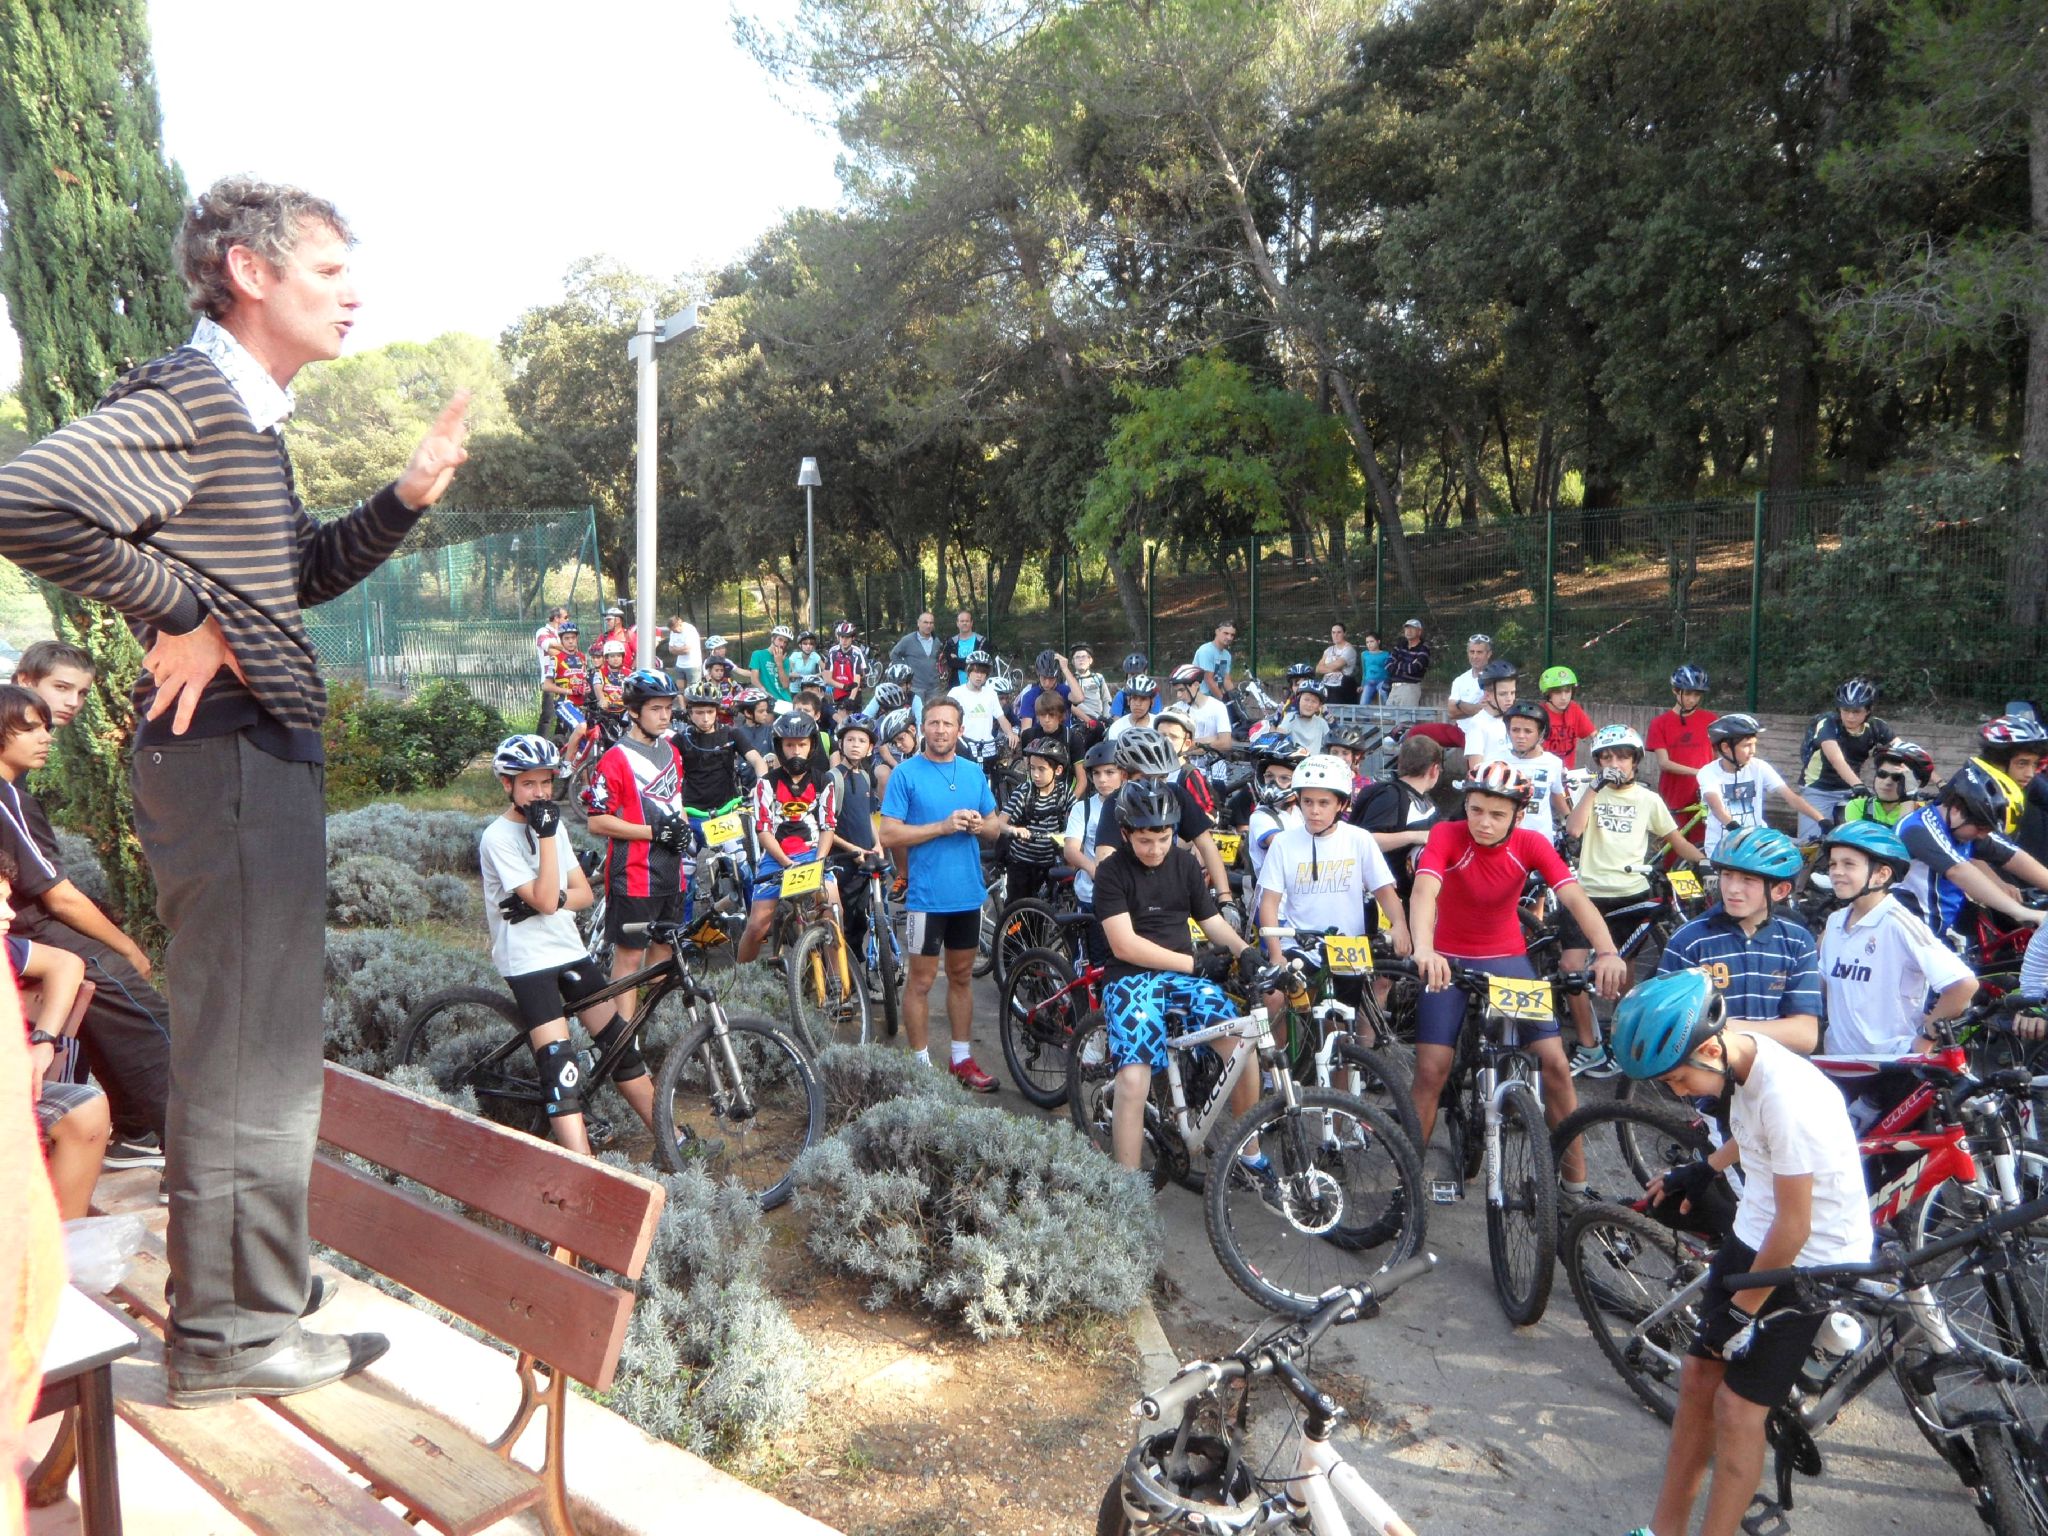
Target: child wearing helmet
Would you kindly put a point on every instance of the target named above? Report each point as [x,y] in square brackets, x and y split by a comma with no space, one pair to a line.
[1802,1204]
[795,811]
[566,680]
[982,715]
[1677,739]
[1486,727]
[1547,804]
[1147,754]
[1137,703]
[533,884]
[2009,748]
[1303,719]
[1088,691]
[846,669]
[1835,748]
[1273,808]
[1105,776]
[1878,961]
[1764,965]
[1037,811]
[1320,872]
[1960,854]
[634,800]
[1901,778]
[1208,717]
[1734,785]
[1052,720]
[1566,724]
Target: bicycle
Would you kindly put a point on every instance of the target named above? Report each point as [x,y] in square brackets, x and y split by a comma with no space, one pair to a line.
[1193,1476]
[734,1093]
[1324,1033]
[1343,1177]
[882,949]
[1492,1108]
[1035,922]
[1049,999]
[829,1003]
[722,868]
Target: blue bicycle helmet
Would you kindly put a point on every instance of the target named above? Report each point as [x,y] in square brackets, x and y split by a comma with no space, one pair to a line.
[1881,845]
[1662,1022]
[1764,852]
[1691,678]
[644,686]
[860,722]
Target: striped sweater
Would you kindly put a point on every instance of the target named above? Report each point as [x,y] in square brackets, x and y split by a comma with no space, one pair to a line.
[168,504]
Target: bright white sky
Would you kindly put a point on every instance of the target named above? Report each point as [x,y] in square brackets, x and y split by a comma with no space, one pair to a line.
[478,147]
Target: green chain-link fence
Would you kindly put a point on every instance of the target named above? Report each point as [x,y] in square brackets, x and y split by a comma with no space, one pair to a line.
[461,600]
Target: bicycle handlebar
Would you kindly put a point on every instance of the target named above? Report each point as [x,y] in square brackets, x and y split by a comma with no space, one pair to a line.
[1350,1304]
[1467,980]
[1894,1262]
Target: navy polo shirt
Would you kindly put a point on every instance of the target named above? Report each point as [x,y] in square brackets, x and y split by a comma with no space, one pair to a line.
[1770,975]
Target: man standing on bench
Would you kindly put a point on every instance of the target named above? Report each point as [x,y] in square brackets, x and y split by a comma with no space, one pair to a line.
[173,501]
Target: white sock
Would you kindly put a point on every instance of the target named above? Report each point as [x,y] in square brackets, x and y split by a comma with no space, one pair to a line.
[1574,1189]
[962,1051]
[923,1057]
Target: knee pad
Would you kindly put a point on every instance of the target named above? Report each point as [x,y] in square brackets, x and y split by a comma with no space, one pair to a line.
[561,1078]
[631,1063]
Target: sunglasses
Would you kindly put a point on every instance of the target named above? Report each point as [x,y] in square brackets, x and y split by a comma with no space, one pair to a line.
[1895,775]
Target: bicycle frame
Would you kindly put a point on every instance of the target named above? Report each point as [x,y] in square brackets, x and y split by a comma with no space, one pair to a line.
[1943,1153]
[1323,1480]
[1254,1028]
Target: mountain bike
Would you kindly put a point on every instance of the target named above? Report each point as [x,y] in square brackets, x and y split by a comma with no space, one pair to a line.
[1304,1180]
[1035,922]
[734,1094]
[827,998]
[1049,999]
[882,949]
[1492,1110]
[721,871]
[1330,1038]
[1192,1473]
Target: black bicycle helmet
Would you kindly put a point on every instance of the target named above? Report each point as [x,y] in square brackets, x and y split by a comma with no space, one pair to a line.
[1857,693]
[1914,758]
[1147,803]
[1690,678]
[1142,684]
[1049,749]
[860,722]
[1047,663]
[1349,737]
[644,686]
[795,725]
[697,695]
[1980,797]
[1142,750]
[1733,728]
[1275,747]
[1526,709]
[1101,755]
[1498,671]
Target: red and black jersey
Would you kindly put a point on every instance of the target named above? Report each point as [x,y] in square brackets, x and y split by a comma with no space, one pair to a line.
[794,813]
[847,666]
[572,674]
[1197,785]
[630,785]
[607,689]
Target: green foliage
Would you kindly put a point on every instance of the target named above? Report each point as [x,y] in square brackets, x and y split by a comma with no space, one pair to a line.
[376,747]
[371,891]
[975,1212]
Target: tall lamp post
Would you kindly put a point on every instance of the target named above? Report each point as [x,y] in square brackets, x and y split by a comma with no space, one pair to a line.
[640,349]
[807,477]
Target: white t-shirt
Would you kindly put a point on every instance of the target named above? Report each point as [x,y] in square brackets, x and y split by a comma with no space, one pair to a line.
[510,856]
[1789,1119]
[1743,791]
[980,708]
[1325,882]
[1265,826]
[1465,688]
[1877,976]
[1486,737]
[1124,723]
[686,646]
[1082,821]
[1545,773]
[1211,717]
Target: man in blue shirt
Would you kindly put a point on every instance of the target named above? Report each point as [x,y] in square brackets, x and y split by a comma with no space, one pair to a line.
[1766,967]
[964,644]
[1214,660]
[936,805]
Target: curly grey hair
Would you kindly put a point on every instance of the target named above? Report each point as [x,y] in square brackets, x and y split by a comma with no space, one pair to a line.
[240,210]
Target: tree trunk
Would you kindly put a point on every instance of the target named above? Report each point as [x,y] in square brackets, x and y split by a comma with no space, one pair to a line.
[1130,589]
[2026,570]
[1219,562]
[1507,461]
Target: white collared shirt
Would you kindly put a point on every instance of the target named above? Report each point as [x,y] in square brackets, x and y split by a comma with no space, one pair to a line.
[267,402]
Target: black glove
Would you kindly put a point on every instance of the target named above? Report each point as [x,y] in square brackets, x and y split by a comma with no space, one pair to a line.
[1729,1332]
[515,908]
[1212,964]
[670,832]
[1251,965]
[543,816]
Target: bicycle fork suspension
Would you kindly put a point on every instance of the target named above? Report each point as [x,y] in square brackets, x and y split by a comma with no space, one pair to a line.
[726,1084]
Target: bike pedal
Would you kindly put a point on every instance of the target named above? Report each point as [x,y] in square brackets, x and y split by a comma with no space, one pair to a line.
[1443,1191]
[598,1130]
[1767,1518]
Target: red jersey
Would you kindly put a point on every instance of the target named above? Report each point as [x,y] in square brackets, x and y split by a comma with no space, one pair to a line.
[1480,888]
[1562,733]
[631,640]
[1686,740]
[846,665]
[633,784]
[793,813]
[608,689]
[572,674]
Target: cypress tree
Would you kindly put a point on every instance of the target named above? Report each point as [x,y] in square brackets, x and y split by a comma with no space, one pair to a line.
[91,207]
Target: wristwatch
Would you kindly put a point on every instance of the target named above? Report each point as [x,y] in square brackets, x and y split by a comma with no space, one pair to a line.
[43,1037]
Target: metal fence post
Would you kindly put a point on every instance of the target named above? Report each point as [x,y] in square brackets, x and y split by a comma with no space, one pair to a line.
[1251,560]
[1379,581]
[1756,596]
[1065,644]
[1549,579]
[1151,607]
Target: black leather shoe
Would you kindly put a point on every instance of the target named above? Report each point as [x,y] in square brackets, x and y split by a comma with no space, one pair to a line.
[315,1360]
[323,1292]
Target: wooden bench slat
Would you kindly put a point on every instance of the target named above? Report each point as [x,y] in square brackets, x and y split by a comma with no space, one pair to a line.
[573,1321]
[239,1454]
[433,1465]
[597,1212]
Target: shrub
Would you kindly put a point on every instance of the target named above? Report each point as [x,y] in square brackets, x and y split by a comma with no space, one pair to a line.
[858,1077]
[378,746]
[374,892]
[374,980]
[449,898]
[431,842]
[975,1211]
[82,867]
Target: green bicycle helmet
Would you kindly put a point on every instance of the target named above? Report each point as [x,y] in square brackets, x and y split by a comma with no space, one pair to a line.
[1662,1022]
[1879,844]
[1764,852]
[1557,677]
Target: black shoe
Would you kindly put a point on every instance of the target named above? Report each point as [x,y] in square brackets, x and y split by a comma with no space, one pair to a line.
[315,1360]
[144,1151]
[323,1291]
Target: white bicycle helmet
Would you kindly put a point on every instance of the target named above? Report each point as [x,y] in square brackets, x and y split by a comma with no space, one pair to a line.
[525,753]
[1324,771]
[1615,738]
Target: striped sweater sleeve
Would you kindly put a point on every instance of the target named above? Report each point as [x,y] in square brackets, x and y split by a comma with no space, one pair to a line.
[75,508]
[334,556]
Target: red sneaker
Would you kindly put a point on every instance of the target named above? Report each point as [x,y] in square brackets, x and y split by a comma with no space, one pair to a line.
[969,1075]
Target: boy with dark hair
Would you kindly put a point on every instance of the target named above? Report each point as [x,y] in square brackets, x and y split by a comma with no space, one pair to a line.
[126,1034]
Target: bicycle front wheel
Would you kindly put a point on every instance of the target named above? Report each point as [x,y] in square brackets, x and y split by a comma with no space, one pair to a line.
[743,1105]
[2014,1477]
[1026,924]
[2002,1311]
[1648,1136]
[1628,1274]
[831,1000]
[991,919]
[1521,1226]
[471,1037]
[1338,1197]
[1041,1011]
[885,961]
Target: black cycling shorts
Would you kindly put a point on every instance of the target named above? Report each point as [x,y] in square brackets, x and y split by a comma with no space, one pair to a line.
[545,996]
[1784,1337]
[621,910]
[926,933]
[1620,929]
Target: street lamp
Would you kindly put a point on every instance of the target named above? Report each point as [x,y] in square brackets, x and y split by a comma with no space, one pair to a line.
[807,477]
[641,350]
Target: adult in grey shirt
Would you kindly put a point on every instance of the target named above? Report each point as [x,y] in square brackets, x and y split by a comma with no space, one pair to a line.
[921,651]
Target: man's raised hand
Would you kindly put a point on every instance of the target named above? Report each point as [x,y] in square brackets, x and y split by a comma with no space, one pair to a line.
[439,454]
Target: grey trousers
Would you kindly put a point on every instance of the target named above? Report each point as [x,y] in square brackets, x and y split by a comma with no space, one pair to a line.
[237,840]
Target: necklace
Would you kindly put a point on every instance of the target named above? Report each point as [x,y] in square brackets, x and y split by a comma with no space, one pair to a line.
[952,783]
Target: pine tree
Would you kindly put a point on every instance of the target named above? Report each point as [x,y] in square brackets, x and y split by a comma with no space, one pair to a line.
[91,208]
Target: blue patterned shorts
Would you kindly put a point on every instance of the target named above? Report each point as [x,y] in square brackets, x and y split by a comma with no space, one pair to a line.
[1136,1007]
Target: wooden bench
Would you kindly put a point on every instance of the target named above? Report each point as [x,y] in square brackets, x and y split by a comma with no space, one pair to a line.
[535,1296]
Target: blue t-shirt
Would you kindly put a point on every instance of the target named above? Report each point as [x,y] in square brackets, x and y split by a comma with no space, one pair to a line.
[1027,701]
[962,647]
[1766,977]
[1211,657]
[1374,664]
[945,873]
